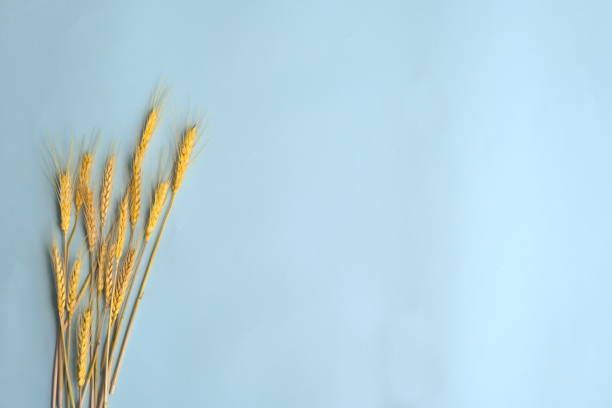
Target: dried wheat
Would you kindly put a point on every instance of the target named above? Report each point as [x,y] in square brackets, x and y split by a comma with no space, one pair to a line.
[158,204]
[73,284]
[60,281]
[183,157]
[65,198]
[107,187]
[84,339]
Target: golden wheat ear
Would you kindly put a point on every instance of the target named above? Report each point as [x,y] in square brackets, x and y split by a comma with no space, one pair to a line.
[60,281]
[122,218]
[107,188]
[65,199]
[84,339]
[159,199]
[73,284]
[83,179]
[102,255]
[109,276]
[183,157]
[91,224]
[122,282]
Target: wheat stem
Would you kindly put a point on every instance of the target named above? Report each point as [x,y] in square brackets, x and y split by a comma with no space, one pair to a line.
[55,370]
[143,285]
[66,366]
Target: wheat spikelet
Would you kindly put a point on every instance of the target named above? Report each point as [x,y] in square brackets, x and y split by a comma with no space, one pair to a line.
[65,198]
[156,208]
[91,227]
[60,281]
[109,276]
[183,156]
[73,284]
[135,187]
[122,282]
[83,346]
[121,226]
[102,264]
[107,187]
[84,172]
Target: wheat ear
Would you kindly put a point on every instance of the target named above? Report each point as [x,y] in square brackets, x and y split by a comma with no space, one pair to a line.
[91,227]
[149,128]
[102,265]
[159,199]
[60,281]
[107,187]
[65,198]
[83,344]
[183,157]
[182,161]
[122,218]
[135,189]
[122,282]
[73,284]
[109,276]
[84,172]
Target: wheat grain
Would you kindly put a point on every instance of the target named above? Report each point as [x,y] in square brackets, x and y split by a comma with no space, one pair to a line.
[107,186]
[183,157]
[65,197]
[83,346]
[73,284]
[159,199]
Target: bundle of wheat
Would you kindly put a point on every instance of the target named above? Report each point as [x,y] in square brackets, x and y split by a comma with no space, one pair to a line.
[103,299]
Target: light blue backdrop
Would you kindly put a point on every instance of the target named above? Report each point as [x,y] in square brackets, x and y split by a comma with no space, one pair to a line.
[399,204]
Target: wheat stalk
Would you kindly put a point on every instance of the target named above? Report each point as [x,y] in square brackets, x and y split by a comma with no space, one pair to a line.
[60,280]
[182,161]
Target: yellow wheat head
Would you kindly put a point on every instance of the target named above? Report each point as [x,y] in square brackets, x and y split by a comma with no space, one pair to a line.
[65,199]
[183,157]
[60,280]
[107,188]
[91,224]
[159,199]
[73,285]
[122,282]
[84,338]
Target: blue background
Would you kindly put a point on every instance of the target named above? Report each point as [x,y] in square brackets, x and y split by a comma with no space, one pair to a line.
[398,203]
